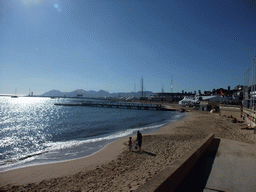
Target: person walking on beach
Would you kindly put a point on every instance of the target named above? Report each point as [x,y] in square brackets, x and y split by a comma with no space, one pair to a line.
[130,143]
[139,139]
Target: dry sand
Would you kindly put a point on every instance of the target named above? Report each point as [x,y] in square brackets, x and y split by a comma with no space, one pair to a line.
[115,168]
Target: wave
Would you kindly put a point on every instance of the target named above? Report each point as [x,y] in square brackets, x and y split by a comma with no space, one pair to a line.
[55,146]
[51,146]
[21,158]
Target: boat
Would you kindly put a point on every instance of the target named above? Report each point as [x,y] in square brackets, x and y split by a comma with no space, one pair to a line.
[14,96]
[189,101]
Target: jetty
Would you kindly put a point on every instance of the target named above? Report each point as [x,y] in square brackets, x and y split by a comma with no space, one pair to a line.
[124,105]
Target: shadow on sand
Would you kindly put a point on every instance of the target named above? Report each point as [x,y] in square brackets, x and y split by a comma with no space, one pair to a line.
[197,178]
[146,152]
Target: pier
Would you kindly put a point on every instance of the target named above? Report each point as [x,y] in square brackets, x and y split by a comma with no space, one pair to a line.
[138,106]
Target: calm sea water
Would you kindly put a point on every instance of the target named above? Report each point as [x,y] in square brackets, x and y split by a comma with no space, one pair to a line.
[34,131]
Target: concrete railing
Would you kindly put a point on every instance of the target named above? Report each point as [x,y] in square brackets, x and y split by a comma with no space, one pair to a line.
[249,111]
[229,107]
[170,178]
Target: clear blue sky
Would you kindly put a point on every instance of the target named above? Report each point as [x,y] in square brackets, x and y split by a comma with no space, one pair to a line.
[111,44]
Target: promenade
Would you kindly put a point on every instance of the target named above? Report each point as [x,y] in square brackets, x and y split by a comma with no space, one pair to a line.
[229,167]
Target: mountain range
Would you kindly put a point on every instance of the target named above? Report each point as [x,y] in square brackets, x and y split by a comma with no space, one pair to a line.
[91,93]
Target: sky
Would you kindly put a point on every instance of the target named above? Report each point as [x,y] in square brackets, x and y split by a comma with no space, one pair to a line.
[111,44]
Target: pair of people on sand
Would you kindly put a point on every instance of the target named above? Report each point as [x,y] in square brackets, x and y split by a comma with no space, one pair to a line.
[138,143]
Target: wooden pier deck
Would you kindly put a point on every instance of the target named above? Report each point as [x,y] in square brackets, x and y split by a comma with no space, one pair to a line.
[138,106]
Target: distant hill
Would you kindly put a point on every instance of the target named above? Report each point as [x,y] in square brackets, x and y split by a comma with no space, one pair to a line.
[54,93]
[101,93]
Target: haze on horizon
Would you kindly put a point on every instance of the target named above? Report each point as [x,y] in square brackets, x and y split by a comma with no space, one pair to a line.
[109,45]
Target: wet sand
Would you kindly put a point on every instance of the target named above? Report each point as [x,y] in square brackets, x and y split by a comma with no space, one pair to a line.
[116,168]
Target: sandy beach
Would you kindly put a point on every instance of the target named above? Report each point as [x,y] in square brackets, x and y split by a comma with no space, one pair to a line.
[115,168]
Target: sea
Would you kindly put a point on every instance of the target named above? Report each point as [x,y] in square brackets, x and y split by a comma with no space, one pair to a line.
[34,131]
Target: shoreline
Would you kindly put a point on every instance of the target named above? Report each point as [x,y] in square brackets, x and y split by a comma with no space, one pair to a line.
[115,168]
[59,169]
[47,156]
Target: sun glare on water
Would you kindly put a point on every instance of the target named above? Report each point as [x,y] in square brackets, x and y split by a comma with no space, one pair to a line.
[26,103]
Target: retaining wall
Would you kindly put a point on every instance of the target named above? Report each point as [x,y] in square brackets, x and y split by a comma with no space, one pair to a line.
[171,177]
